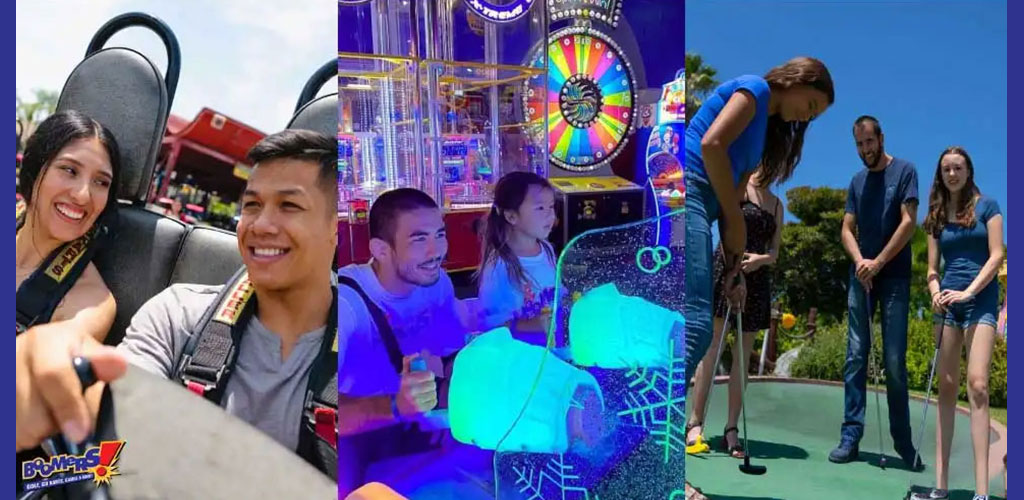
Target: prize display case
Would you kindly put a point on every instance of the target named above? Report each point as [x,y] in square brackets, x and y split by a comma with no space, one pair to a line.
[434,96]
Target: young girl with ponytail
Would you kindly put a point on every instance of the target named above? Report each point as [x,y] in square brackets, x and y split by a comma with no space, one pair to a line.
[517,271]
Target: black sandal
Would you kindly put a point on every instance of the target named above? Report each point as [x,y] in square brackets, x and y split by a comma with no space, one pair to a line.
[736,450]
[690,427]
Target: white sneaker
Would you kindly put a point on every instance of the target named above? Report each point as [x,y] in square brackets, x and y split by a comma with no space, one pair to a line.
[932,494]
[980,497]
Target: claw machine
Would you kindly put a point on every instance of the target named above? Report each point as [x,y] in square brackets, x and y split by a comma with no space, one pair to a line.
[379,139]
[477,126]
[434,96]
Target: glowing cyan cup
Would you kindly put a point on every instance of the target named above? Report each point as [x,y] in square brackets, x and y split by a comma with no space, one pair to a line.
[610,330]
[496,401]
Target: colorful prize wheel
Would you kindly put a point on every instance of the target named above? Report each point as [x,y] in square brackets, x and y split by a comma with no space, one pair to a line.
[591,96]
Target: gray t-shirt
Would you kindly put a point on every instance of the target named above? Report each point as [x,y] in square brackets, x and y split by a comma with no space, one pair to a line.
[265,391]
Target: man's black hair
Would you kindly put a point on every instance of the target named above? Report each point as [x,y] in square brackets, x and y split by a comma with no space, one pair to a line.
[303,145]
[390,205]
[868,119]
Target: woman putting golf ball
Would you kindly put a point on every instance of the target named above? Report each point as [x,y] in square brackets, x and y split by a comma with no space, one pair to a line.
[762,213]
[746,123]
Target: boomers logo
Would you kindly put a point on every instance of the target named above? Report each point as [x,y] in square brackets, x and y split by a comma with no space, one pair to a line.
[97,463]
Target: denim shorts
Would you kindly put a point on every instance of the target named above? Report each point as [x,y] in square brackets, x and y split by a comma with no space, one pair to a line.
[982,309]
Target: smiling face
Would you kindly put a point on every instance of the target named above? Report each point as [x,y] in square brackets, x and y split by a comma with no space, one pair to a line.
[286,231]
[420,245]
[955,172]
[802,103]
[870,144]
[73,190]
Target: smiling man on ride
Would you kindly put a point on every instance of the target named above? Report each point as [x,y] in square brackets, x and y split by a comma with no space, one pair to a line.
[280,317]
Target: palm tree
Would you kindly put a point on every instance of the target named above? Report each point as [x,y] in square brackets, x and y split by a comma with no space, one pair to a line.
[31,113]
[700,80]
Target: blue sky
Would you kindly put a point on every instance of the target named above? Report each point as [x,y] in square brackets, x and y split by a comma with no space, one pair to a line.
[932,72]
[248,60]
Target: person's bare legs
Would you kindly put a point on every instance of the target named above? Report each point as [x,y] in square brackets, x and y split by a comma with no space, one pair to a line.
[704,374]
[980,339]
[948,374]
[736,385]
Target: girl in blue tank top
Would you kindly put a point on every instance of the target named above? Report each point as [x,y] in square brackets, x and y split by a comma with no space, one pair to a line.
[965,228]
[746,122]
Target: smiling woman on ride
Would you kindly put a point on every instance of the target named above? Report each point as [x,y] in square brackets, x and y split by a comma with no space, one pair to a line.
[68,179]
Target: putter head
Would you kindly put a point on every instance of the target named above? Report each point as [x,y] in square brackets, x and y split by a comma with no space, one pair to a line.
[753,470]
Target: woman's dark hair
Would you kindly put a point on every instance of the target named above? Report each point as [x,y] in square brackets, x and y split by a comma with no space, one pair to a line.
[53,134]
[784,141]
[509,195]
[938,200]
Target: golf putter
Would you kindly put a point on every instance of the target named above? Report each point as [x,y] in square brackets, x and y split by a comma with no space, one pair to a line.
[928,395]
[918,491]
[702,446]
[745,467]
[871,358]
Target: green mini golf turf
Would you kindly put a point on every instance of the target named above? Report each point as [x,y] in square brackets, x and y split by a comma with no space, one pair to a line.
[794,426]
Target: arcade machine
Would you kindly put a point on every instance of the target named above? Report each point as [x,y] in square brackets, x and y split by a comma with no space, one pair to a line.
[476,125]
[452,105]
[592,100]
[378,97]
[666,147]
[661,171]
[356,158]
[437,89]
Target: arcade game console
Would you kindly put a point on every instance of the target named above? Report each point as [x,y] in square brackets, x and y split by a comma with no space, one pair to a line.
[592,94]
[665,147]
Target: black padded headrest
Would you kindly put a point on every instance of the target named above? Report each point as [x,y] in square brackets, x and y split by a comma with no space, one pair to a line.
[209,256]
[318,115]
[153,251]
[125,92]
[137,264]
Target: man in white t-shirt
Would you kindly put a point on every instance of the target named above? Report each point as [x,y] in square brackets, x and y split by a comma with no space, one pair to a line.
[395,312]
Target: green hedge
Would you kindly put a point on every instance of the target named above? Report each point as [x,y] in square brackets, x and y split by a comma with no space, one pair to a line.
[824,357]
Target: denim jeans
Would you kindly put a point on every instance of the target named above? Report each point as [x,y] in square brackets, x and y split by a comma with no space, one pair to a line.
[702,210]
[891,296]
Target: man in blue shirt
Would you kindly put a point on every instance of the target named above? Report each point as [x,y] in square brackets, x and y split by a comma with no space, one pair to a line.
[881,210]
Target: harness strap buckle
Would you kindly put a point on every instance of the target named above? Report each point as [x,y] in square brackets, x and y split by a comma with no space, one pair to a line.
[322,418]
[325,424]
